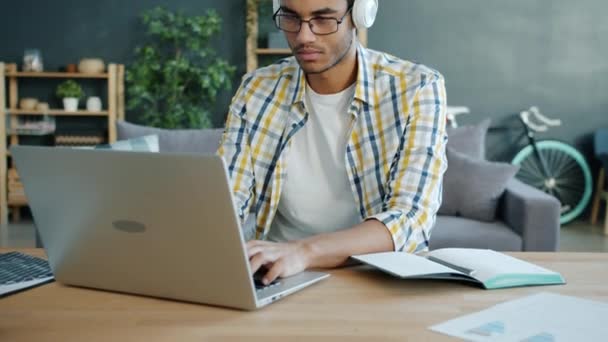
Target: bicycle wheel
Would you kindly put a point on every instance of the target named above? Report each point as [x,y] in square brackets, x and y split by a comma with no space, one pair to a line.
[569,178]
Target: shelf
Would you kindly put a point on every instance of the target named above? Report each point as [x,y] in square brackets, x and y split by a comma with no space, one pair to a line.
[30,132]
[273,51]
[57,112]
[20,201]
[10,81]
[29,74]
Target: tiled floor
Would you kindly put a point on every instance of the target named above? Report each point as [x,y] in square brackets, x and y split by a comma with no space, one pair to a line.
[575,237]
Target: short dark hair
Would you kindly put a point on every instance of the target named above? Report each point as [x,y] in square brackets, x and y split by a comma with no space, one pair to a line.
[350,3]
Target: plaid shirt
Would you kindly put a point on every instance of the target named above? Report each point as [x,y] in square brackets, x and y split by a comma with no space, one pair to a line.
[395,157]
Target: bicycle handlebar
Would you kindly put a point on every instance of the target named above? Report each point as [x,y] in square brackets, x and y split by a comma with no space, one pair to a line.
[525,117]
[540,117]
[453,110]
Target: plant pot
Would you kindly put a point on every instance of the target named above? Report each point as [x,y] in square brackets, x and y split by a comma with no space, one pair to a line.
[94,104]
[70,104]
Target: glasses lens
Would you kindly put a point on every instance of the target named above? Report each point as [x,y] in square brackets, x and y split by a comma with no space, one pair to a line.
[324,25]
[289,23]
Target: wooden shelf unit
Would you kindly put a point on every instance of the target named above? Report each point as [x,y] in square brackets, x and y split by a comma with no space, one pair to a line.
[9,80]
[57,112]
[252,26]
[46,74]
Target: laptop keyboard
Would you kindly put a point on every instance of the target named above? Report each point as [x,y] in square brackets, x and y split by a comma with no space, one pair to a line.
[17,267]
[259,285]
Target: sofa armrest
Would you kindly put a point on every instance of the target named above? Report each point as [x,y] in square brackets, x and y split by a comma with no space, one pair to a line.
[532,214]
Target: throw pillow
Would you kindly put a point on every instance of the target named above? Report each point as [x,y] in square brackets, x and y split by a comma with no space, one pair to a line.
[148,143]
[473,187]
[205,141]
[470,140]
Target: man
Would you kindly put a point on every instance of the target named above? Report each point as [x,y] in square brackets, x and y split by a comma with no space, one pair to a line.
[337,151]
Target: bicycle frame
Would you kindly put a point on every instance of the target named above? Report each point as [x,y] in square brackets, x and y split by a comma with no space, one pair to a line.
[529,134]
[532,141]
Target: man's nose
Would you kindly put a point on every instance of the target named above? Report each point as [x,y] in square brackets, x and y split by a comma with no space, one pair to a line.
[305,35]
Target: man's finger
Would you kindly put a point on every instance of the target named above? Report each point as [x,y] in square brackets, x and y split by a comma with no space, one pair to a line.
[256,262]
[260,259]
[253,243]
[251,251]
[268,248]
[274,272]
[255,246]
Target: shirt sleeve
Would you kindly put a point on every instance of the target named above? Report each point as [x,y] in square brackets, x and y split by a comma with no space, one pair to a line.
[236,152]
[414,187]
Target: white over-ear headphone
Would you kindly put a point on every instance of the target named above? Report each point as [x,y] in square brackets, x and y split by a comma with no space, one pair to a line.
[364,12]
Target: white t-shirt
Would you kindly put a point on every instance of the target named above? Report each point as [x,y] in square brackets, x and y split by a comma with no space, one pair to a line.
[317,196]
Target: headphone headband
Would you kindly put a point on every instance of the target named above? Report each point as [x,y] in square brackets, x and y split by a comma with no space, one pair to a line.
[364,12]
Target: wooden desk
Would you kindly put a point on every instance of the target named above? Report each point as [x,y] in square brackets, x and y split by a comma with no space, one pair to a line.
[355,304]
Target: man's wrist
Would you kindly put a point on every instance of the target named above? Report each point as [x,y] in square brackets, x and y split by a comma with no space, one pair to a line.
[308,248]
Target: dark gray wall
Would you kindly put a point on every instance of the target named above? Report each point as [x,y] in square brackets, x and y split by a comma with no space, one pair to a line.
[67,30]
[501,56]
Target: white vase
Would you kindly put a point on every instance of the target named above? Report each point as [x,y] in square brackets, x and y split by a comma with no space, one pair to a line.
[94,104]
[70,104]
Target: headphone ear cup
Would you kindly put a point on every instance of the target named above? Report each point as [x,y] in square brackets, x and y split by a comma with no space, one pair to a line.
[364,13]
[275,6]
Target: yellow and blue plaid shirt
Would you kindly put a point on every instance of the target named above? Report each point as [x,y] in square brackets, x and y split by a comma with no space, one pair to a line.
[395,156]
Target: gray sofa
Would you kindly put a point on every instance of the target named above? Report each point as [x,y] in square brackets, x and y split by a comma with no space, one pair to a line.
[526,219]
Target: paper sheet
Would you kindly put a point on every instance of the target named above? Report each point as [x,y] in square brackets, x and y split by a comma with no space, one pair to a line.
[542,317]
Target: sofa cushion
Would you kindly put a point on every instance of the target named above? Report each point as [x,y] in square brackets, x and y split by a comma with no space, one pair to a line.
[204,141]
[461,232]
[469,140]
[148,143]
[472,187]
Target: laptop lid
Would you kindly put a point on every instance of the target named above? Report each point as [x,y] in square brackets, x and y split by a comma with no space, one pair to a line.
[146,223]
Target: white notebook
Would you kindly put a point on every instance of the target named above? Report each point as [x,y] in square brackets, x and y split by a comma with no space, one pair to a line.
[484,267]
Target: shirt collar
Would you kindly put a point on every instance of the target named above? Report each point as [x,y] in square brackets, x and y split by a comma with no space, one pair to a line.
[364,82]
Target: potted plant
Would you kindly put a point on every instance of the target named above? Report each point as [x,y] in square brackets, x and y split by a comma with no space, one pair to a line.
[71,93]
[177,76]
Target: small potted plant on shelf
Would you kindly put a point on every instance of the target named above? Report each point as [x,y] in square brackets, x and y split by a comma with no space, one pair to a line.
[71,93]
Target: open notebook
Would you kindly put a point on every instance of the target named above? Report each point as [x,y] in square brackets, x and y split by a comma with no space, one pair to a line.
[487,268]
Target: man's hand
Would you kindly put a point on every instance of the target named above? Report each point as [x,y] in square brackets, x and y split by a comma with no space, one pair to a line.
[320,251]
[281,259]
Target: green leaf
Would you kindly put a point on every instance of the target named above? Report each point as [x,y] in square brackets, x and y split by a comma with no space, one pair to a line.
[176,75]
[69,88]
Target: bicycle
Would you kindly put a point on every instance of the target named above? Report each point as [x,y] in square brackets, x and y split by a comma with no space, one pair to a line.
[553,166]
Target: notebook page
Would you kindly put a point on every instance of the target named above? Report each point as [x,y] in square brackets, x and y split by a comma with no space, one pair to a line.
[404,264]
[487,263]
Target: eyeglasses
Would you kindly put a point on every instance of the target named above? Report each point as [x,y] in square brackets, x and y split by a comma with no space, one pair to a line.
[318,25]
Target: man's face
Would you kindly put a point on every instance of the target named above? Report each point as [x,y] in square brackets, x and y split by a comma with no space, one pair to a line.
[318,53]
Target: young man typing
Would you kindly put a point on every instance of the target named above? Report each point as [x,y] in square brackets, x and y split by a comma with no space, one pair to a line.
[338,150]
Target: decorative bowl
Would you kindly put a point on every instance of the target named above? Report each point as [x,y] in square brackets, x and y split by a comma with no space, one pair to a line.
[91,66]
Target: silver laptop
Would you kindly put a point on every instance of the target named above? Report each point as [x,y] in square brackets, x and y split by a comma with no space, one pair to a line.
[154,224]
